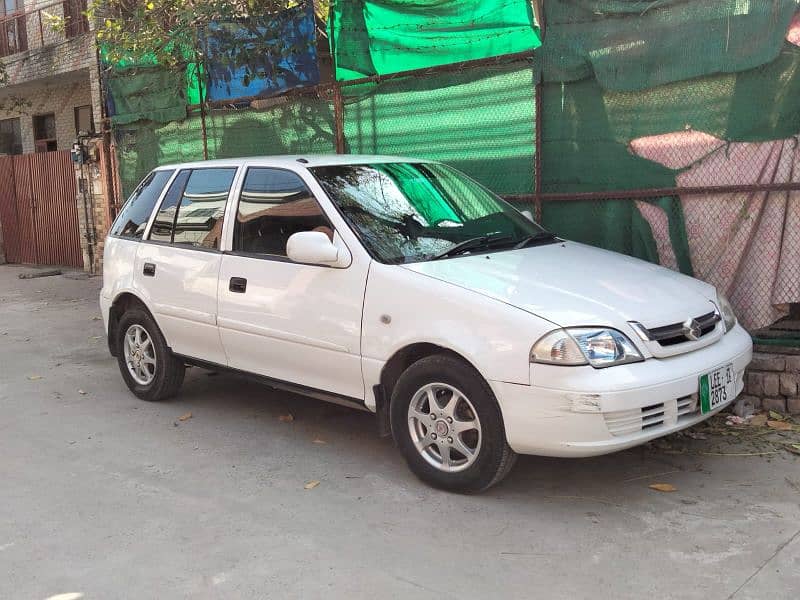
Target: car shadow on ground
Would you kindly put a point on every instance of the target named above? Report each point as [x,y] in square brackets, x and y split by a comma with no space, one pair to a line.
[602,480]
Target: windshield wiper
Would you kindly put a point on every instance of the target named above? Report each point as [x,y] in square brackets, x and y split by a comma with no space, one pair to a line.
[482,241]
[539,238]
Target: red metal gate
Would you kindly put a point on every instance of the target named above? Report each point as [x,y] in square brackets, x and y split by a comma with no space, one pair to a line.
[38,211]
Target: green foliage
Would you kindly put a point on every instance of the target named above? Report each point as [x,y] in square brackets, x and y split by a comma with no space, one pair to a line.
[163,29]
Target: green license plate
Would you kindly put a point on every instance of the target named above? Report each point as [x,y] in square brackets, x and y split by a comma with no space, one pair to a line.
[716,388]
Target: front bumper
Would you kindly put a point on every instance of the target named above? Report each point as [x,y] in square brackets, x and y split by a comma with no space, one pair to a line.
[577,411]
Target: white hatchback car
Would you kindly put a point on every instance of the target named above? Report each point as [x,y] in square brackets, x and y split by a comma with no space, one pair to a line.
[407,289]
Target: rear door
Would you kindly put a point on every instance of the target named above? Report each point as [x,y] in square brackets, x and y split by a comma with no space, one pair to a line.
[177,267]
[292,322]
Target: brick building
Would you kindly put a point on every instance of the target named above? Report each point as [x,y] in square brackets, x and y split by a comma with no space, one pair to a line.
[52,88]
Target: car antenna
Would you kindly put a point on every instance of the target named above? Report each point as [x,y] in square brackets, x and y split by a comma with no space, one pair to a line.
[303,160]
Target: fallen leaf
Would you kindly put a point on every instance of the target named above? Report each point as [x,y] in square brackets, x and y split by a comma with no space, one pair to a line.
[311,484]
[663,487]
[185,417]
[319,441]
[793,448]
[82,392]
[34,377]
[775,416]
[779,425]
[758,420]
[287,419]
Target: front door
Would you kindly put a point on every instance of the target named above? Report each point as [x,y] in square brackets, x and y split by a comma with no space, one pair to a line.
[292,322]
[177,268]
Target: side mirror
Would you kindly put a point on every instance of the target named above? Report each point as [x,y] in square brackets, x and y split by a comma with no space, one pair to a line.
[527,214]
[311,247]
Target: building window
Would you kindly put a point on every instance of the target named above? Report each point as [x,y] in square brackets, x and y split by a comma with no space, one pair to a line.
[13,36]
[44,133]
[84,120]
[10,137]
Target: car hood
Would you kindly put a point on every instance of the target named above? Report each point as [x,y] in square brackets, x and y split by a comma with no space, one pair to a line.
[573,284]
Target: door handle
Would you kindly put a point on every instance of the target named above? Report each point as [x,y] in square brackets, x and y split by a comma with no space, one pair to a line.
[238,285]
[149,270]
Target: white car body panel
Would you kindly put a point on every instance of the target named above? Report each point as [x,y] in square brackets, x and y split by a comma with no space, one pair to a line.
[334,328]
[183,297]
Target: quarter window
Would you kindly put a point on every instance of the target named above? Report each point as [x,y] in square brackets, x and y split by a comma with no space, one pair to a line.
[191,213]
[133,218]
[274,204]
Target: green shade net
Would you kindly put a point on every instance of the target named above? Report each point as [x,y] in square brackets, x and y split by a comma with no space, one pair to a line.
[586,130]
[371,37]
[478,120]
[144,90]
[634,44]
[305,126]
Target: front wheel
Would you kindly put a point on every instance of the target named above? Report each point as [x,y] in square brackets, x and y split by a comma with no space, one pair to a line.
[448,426]
[145,361]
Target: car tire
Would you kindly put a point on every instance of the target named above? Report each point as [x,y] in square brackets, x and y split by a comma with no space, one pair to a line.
[149,369]
[436,440]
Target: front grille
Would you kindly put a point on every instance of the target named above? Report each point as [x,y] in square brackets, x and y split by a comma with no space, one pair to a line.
[669,335]
[626,422]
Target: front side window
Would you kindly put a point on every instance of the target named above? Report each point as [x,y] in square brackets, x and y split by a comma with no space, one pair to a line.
[275,204]
[409,212]
[133,217]
[192,211]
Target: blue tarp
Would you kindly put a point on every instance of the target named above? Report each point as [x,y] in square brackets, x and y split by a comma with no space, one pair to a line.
[294,29]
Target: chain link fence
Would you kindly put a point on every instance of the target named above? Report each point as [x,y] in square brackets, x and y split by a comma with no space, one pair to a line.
[688,175]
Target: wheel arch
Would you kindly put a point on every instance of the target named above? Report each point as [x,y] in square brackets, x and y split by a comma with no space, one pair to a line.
[122,302]
[396,365]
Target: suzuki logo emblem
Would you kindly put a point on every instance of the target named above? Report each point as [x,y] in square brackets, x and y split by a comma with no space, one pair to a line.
[692,329]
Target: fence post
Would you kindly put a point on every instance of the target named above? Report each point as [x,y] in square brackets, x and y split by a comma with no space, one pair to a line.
[537,153]
[338,117]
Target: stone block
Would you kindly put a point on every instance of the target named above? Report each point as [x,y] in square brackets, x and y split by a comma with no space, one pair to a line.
[793,405]
[746,406]
[754,383]
[771,384]
[776,404]
[768,362]
[789,384]
[793,364]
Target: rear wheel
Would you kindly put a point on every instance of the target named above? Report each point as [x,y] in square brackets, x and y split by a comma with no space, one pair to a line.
[447,424]
[148,367]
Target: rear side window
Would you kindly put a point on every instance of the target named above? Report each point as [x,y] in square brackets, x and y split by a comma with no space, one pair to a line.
[131,222]
[193,208]
[274,205]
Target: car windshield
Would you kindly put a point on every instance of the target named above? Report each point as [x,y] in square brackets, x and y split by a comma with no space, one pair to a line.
[410,212]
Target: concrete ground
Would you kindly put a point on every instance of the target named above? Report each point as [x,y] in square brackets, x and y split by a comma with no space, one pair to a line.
[104,496]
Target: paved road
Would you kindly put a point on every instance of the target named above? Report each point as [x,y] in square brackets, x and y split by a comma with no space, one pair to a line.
[109,497]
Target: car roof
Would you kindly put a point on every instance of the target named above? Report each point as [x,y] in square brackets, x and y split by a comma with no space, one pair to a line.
[295,160]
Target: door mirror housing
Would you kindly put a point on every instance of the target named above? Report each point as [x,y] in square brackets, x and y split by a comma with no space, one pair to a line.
[312,247]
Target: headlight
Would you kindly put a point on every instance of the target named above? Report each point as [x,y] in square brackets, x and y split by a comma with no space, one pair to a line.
[726,310]
[600,347]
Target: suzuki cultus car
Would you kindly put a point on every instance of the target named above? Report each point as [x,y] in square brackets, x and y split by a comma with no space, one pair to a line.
[405,288]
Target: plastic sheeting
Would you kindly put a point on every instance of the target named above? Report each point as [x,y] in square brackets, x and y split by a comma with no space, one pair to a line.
[371,37]
[746,244]
[294,30]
